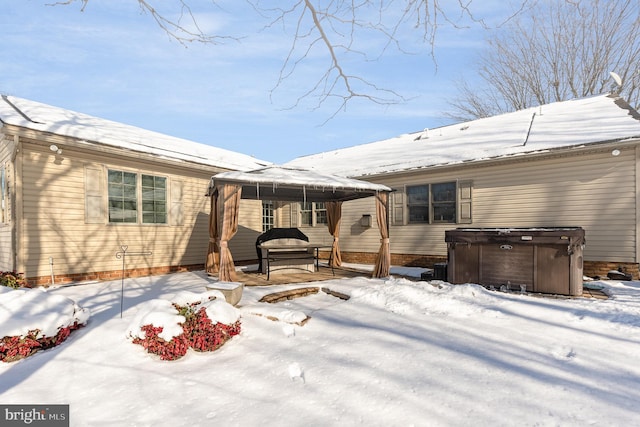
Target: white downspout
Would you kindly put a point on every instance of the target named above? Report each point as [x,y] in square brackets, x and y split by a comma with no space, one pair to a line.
[53,279]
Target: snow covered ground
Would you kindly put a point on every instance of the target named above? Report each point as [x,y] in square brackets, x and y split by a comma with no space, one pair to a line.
[397,353]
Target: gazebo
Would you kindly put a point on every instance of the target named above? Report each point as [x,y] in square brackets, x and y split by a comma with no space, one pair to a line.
[279,183]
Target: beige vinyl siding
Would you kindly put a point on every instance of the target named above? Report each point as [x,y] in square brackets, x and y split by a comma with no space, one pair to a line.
[243,244]
[593,191]
[357,237]
[282,214]
[317,234]
[176,202]
[54,219]
[596,192]
[367,239]
[54,224]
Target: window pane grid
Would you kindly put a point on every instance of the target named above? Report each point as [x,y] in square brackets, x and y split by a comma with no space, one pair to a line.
[267,216]
[306,218]
[306,211]
[123,198]
[313,213]
[154,195]
[444,202]
[321,213]
[3,192]
[432,203]
[418,203]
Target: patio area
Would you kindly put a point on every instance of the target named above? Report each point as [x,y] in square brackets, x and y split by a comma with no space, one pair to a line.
[250,275]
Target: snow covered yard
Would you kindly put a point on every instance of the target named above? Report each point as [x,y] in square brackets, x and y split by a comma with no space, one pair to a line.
[397,353]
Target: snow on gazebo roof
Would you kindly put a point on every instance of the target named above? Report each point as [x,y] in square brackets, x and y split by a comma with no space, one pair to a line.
[91,130]
[296,184]
[560,125]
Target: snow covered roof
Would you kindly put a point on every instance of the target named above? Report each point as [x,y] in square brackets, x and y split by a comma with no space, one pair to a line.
[597,119]
[297,184]
[91,130]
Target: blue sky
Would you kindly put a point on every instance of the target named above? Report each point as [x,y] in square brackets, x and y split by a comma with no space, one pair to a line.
[113,61]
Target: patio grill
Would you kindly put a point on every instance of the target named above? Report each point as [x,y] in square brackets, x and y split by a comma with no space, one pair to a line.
[277,233]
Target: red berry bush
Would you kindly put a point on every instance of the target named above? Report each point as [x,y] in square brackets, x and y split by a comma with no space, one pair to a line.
[198,331]
[167,350]
[33,319]
[18,347]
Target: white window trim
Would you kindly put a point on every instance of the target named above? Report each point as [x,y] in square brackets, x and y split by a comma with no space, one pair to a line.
[138,221]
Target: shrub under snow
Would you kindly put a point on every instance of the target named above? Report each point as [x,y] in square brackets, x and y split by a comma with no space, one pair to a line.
[203,322]
[33,320]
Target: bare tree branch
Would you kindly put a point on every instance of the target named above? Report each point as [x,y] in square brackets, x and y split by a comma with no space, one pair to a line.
[177,29]
[559,51]
[350,34]
[334,83]
[337,29]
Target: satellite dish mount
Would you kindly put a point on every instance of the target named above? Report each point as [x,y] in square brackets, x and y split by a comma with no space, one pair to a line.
[618,83]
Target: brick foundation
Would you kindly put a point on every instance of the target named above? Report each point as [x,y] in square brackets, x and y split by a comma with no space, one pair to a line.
[357,257]
[601,268]
[406,260]
[111,275]
[591,268]
[426,261]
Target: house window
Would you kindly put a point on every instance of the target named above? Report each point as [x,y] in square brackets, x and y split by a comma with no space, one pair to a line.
[267,215]
[3,195]
[313,213]
[432,203]
[443,202]
[418,203]
[306,213]
[320,211]
[154,199]
[123,198]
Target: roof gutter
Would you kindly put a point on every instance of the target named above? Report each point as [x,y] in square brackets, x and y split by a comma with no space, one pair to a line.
[98,147]
[551,152]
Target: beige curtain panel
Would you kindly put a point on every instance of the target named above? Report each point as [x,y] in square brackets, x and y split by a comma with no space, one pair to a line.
[222,227]
[212,263]
[334,215]
[383,260]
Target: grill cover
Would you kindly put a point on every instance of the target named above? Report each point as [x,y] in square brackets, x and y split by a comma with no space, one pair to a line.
[277,233]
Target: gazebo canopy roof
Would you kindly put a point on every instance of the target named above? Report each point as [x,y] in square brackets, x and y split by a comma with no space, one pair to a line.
[296,184]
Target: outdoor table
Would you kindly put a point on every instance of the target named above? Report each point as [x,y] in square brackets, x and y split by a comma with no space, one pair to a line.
[300,251]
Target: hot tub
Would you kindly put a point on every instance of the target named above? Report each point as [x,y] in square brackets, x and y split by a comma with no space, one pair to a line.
[538,259]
